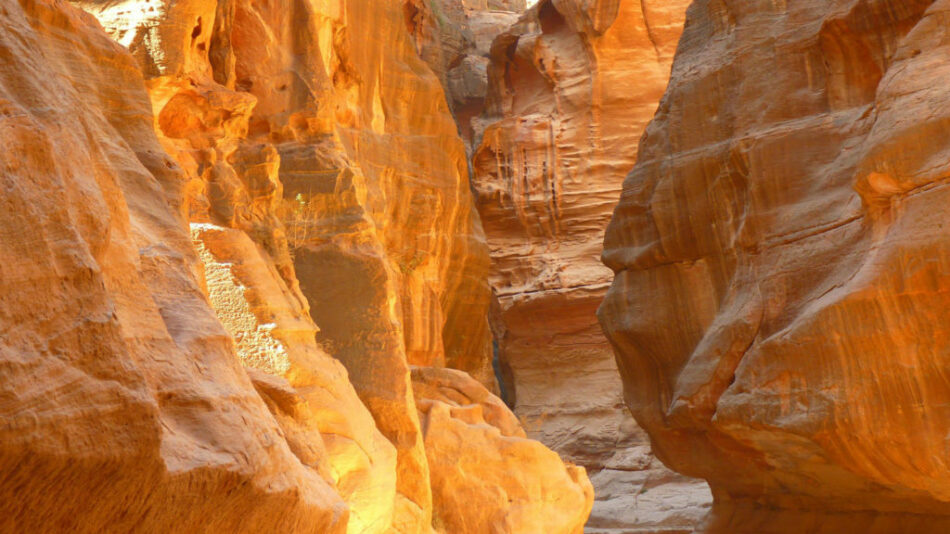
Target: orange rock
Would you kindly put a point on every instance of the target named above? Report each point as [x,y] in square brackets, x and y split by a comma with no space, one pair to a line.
[387,247]
[486,475]
[338,130]
[326,425]
[573,86]
[780,261]
[124,406]
[454,37]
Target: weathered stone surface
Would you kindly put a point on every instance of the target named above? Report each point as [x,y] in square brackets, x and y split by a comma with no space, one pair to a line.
[323,420]
[322,120]
[388,249]
[573,86]
[781,265]
[124,406]
[454,37]
[382,167]
[486,475]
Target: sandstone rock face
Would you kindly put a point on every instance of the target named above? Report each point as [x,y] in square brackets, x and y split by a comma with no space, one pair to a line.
[323,420]
[486,475]
[454,37]
[781,265]
[122,396]
[573,86]
[315,145]
[319,132]
[388,249]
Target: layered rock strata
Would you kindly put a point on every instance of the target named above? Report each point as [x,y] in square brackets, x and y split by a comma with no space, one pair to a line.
[297,151]
[781,259]
[123,403]
[573,86]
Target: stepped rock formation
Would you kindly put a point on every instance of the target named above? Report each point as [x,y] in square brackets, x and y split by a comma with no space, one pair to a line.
[781,266]
[573,86]
[153,381]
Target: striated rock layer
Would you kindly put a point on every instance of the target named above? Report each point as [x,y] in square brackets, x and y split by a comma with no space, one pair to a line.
[325,183]
[573,86]
[124,406]
[781,266]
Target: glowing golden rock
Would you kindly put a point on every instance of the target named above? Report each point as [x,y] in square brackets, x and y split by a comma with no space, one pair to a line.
[322,417]
[123,405]
[486,475]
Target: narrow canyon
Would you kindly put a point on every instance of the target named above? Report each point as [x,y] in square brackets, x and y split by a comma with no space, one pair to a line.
[474,266]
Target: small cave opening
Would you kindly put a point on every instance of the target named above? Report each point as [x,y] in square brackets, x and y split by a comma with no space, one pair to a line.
[196,34]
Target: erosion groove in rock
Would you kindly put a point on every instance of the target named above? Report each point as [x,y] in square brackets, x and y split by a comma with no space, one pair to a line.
[572,87]
[780,266]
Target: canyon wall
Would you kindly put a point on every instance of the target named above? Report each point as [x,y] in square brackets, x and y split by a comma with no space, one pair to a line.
[572,87]
[781,265]
[454,37]
[322,120]
[183,380]
[123,404]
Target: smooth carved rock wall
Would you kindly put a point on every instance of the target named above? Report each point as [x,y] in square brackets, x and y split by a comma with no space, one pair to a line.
[781,265]
[573,86]
[124,404]
[316,130]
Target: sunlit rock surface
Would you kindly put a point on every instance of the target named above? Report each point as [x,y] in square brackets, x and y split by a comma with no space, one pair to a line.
[781,261]
[324,422]
[124,405]
[573,86]
[321,135]
[486,475]
[316,146]
[388,249]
